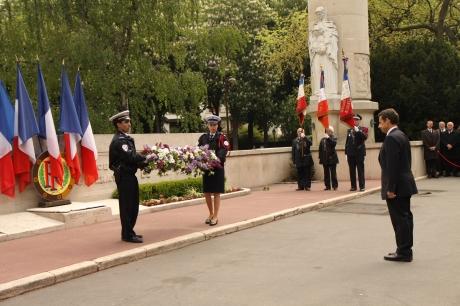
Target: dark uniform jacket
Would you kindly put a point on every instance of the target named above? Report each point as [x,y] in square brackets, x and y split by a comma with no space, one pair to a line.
[218,143]
[301,155]
[355,143]
[395,160]
[327,152]
[430,139]
[123,158]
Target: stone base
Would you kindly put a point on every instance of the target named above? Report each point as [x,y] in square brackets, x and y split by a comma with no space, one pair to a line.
[365,108]
[76,214]
[53,203]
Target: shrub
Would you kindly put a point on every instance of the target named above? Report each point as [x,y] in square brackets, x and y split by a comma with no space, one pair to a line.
[167,189]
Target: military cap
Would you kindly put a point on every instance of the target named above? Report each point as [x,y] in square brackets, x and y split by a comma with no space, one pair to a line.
[213,119]
[124,115]
[357,117]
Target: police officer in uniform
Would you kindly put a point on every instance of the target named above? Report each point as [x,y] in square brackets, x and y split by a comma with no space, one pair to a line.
[124,162]
[301,157]
[214,183]
[355,150]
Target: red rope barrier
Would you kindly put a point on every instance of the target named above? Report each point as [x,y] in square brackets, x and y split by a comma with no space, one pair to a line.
[448,161]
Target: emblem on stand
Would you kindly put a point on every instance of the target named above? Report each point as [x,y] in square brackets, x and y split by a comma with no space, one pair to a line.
[48,188]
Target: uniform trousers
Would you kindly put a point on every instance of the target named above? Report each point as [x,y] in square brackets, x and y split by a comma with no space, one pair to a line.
[403,224]
[353,164]
[128,202]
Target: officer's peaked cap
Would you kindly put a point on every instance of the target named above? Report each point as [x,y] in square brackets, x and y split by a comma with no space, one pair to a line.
[124,115]
[213,119]
[357,117]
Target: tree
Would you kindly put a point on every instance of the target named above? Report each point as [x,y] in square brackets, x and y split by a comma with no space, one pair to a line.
[420,79]
[441,18]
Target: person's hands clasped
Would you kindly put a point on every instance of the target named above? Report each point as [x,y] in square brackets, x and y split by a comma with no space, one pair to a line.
[391,195]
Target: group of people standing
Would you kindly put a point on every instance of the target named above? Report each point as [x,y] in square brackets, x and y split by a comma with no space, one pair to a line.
[441,149]
[355,151]
[124,161]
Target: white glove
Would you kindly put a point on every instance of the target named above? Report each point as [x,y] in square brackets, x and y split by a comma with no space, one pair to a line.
[149,156]
[326,135]
[356,129]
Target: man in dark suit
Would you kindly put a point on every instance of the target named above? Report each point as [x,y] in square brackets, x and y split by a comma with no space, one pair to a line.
[302,159]
[449,140]
[430,139]
[398,184]
[355,149]
[442,148]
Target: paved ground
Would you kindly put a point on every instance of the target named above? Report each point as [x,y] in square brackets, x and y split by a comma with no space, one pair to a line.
[31,255]
[327,257]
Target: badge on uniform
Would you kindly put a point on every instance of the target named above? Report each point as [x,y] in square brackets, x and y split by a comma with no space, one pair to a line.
[125,147]
[226,143]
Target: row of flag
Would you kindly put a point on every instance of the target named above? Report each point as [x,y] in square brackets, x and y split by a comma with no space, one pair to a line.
[18,126]
[346,106]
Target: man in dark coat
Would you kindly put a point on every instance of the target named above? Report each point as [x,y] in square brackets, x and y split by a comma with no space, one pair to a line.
[398,184]
[449,141]
[301,157]
[442,148]
[329,159]
[430,139]
[355,150]
[124,162]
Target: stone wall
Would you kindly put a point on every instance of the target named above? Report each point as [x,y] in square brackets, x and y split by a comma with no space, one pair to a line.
[245,168]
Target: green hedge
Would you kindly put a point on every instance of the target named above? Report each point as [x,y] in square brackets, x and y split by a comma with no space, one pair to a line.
[167,189]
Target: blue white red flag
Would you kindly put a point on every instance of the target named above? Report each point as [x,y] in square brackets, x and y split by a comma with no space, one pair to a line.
[47,131]
[346,105]
[323,105]
[7,180]
[301,108]
[70,126]
[88,144]
[25,127]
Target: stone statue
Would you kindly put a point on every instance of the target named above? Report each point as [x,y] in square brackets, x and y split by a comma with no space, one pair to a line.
[323,48]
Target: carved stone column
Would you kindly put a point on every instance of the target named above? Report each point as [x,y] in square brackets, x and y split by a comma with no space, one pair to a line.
[351,20]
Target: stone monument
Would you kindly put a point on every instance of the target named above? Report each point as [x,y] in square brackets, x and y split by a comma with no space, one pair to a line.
[335,26]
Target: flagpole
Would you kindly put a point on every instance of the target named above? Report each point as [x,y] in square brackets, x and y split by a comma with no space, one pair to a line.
[39,138]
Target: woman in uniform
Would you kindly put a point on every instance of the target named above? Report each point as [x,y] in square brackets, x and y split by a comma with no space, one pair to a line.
[214,183]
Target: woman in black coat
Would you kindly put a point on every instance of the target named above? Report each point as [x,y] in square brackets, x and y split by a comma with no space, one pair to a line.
[301,157]
[328,158]
[214,183]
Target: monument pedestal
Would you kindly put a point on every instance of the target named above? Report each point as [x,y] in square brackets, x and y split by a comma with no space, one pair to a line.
[365,108]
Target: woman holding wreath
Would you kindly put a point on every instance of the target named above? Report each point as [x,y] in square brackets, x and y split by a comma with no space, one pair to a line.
[214,182]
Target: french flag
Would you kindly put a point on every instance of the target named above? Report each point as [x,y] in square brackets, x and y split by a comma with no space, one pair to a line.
[88,145]
[346,106]
[47,131]
[323,105]
[7,180]
[70,126]
[25,127]
[301,108]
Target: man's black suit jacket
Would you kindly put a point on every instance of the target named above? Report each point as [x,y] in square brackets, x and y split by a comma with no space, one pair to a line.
[395,160]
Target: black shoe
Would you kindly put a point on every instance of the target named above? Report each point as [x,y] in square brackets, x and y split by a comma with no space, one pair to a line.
[352,189]
[133,239]
[361,189]
[335,188]
[138,236]
[398,257]
[299,189]
[327,188]
[307,188]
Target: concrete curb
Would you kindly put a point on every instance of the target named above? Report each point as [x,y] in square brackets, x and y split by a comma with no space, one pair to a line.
[168,206]
[41,280]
